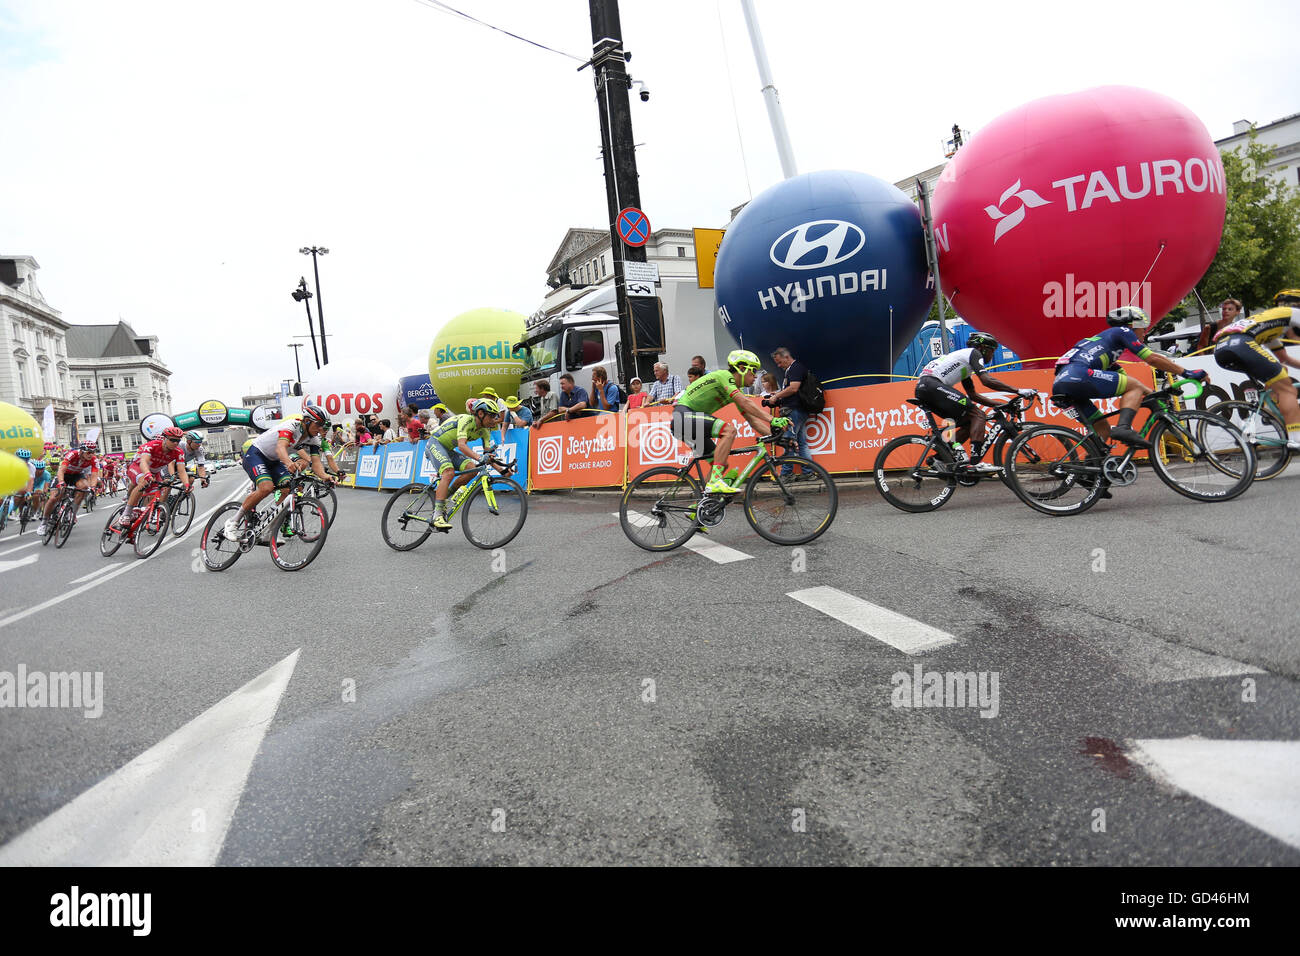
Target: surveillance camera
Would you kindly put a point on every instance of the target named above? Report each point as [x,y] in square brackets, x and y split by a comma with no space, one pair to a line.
[645,95]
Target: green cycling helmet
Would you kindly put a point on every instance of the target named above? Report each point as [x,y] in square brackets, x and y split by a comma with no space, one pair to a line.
[743,359]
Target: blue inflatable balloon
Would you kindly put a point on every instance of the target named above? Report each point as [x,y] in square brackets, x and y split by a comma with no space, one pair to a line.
[817,263]
[416,390]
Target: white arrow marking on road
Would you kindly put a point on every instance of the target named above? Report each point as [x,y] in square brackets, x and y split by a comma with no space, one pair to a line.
[95,574]
[18,562]
[1257,781]
[145,813]
[718,553]
[29,544]
[896,630]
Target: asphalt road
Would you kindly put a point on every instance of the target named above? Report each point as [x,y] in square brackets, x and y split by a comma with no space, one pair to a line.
[574,699]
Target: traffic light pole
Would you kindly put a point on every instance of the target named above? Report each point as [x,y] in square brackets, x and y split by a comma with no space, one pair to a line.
[609,70]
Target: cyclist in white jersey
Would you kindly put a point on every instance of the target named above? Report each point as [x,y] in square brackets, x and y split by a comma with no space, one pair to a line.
[934,387]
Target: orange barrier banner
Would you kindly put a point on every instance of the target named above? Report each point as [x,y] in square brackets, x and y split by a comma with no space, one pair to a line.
[609,450]
[583,453]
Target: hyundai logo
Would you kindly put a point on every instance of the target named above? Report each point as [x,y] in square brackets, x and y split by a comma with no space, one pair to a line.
[814,245]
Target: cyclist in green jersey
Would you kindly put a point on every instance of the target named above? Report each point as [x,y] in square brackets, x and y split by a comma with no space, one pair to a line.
[694,421]
[448,446]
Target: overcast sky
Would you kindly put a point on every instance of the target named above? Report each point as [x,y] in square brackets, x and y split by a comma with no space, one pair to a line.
[164,161]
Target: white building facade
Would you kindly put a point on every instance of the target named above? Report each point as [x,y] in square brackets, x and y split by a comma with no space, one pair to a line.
[34,369]
[117,379]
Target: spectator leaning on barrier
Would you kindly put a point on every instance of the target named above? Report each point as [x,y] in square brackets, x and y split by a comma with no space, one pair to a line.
[389,434]
[440,413]
[1229,311]
[635,397]
[547,403]
[522,413]
[787,398]
[604,393]
[770,385]
[665,387]
[363,433]
[414,427]
[573,400]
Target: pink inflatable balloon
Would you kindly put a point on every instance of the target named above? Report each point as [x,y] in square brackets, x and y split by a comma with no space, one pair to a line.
[1070,206]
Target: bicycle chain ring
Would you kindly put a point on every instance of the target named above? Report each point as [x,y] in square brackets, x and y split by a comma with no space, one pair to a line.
[1119,472]
[710,511]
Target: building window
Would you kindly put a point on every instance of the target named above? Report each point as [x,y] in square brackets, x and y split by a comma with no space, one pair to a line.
[18,332]
[110,411]
[136,441]
[132,410]
[106,382]
[681,252]
[88,413]
[114,442]
[45,379]
[128,381]
[86,385]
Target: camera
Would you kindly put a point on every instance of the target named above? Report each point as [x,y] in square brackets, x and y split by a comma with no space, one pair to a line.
[645,96]
[645,91]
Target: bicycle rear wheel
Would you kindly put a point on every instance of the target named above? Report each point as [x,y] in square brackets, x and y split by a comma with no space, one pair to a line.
[494,525]
[791,512]
[4,514]
[153,529]
[67,516]
[658,514]
[110,540]
[1264,431]
[299,535]
[906,481]
[1202,456]
[407,519]
[182,515]
[220,552]
[1055,469]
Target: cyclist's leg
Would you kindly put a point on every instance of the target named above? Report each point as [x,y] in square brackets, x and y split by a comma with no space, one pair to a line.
[702,433]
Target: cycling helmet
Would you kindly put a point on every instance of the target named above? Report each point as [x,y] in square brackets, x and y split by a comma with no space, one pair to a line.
[314,413]
[24,454]
[743,359]
[484,406]
[194,436]
[172,432]
[1287,297]
[1129,315]
[91,446]
[982,341]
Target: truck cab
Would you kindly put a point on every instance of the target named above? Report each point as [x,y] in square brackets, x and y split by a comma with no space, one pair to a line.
[576,341]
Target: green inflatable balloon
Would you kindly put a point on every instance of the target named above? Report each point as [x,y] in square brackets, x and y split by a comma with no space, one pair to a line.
[19,430]
[475,350]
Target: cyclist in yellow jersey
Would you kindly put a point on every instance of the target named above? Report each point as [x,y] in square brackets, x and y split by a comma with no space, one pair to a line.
[694,421]
[448,446]
[1256,346]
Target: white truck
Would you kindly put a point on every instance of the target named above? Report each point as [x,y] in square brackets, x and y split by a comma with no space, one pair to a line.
[586,334]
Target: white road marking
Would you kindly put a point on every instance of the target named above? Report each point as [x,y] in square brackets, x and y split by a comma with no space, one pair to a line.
[147,813]
[123,569]
[718,553]
[18,562]
[20,547]
[896,630]
[95,574]
[1257,781]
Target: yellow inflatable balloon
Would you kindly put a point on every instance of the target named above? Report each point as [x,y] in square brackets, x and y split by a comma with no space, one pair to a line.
[13,473]
[19,430]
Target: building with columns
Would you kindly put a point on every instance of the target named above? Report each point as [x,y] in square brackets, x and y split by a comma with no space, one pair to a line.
[34,369]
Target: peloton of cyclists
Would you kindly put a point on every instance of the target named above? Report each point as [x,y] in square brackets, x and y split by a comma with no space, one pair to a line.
[78,471]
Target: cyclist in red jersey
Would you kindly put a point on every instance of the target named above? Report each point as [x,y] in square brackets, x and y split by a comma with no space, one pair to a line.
[79,469]
[151,461]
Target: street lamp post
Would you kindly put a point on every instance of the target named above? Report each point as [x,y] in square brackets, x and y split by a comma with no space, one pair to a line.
[301,294]
[296,346]
[314,251]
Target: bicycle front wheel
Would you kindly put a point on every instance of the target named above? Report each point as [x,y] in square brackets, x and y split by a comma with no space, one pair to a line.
[182,515]
[407,519]
[299,536]
[657,511]
[1264,431]
[325,494]
[67,518]
[492,520]
[789,512]
[220,552]
[1202,456]
[1054,469]
[906,481]
[110,540]
[153,529]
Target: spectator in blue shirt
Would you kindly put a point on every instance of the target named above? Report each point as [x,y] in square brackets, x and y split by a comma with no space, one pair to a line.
[604,393]
[573,400]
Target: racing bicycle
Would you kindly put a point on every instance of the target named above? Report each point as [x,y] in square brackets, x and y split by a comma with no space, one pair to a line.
[1060,471]
[146,526]
[62,518]
[663,507]
[919,473]
[492,508]
[1260,420]
[295,529]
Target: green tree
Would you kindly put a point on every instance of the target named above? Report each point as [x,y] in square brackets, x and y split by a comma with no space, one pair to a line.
[1260,250]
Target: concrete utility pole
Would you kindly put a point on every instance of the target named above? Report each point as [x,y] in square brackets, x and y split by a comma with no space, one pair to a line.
[609,69]
[777,118]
